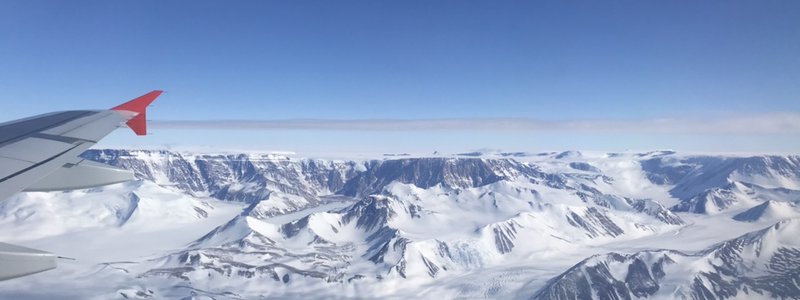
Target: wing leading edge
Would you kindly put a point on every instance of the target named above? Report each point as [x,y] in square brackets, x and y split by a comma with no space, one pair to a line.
[41,153]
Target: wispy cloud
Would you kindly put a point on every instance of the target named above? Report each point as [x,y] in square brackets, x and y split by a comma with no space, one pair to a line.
[770,123]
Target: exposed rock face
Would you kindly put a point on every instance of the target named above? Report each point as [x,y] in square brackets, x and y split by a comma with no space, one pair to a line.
[236,177]
[429,172]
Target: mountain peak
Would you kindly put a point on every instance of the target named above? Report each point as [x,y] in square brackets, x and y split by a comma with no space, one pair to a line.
[769,210]
[763,262]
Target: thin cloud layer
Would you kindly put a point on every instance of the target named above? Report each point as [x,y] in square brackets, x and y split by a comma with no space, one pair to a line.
[772,123]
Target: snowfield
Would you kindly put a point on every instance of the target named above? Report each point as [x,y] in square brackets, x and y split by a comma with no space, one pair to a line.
[560,225]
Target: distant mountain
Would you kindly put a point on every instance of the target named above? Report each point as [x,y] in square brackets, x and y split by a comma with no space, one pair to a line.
[236,177]
[712,184]
[583,166]
[428,172]
[761,264]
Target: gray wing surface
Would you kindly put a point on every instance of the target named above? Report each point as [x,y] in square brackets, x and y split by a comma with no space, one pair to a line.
[33,148]
[41,153]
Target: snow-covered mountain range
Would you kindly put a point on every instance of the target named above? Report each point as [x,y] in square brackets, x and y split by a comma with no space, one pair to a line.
[761,264]
[499,225]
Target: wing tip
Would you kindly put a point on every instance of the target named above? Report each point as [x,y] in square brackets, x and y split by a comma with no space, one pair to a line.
[139,105]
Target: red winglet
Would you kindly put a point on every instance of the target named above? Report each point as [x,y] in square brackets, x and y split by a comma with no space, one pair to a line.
[139,106]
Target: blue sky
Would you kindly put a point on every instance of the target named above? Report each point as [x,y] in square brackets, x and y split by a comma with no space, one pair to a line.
[557,61]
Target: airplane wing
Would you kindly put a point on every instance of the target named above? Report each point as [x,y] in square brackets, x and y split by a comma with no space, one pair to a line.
[41,153]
